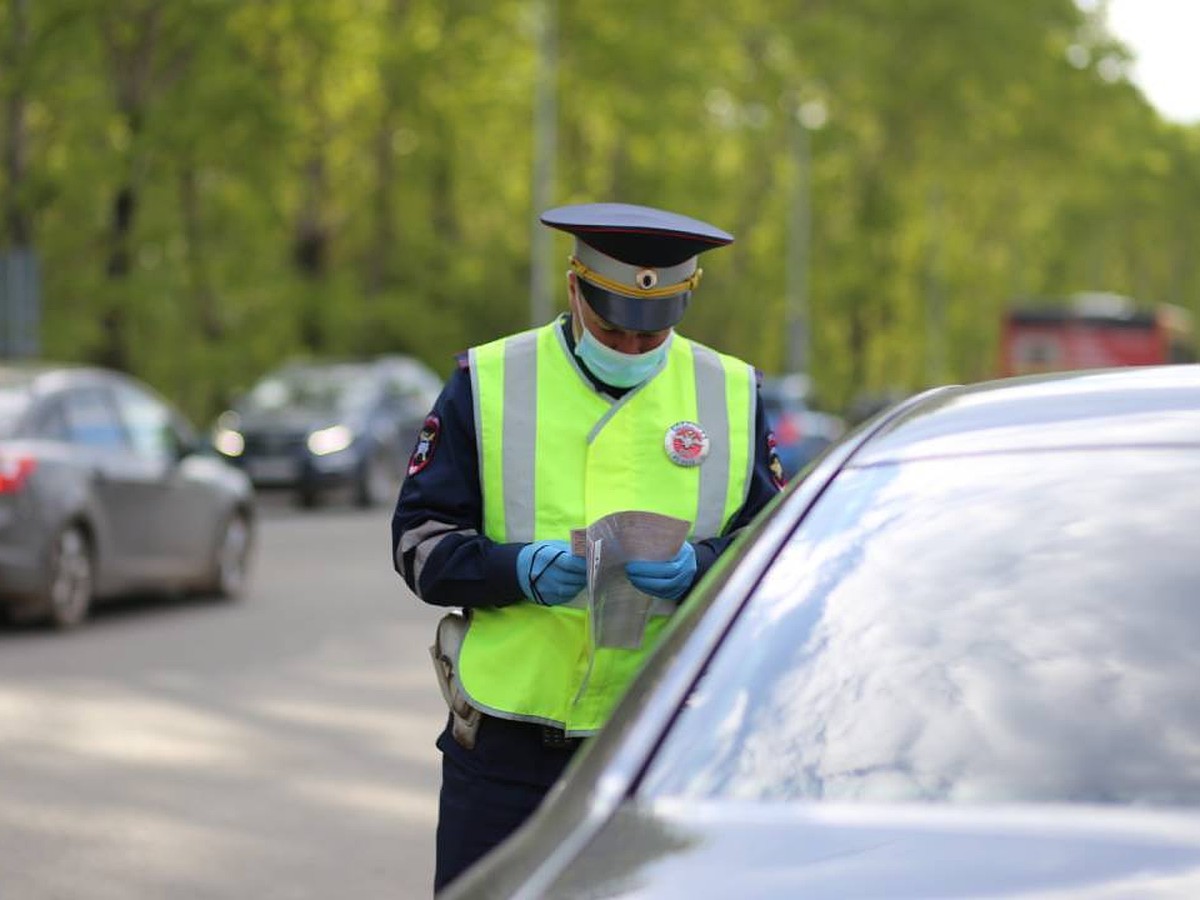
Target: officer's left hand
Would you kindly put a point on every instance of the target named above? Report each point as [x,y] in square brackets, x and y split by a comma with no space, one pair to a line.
[669,579]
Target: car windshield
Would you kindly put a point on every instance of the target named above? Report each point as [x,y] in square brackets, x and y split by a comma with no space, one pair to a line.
[333,389]
[994,628]
[415,378]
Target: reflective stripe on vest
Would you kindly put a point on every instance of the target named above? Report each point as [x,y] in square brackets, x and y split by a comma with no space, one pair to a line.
[585,456]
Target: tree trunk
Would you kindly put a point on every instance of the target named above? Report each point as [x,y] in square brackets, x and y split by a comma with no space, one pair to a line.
[310,237]
[18,223]
[131,62]
[204,306]
[113,350]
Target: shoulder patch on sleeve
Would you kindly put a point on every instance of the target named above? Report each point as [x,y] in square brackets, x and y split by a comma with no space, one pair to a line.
[774,464]
[426,442]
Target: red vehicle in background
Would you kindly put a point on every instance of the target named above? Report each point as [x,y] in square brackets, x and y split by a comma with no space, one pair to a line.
[1092,331]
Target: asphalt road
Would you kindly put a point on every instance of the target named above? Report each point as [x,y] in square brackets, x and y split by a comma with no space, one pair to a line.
[277,747]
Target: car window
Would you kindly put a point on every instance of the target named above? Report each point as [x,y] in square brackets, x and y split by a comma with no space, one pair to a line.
[149,422]
[413,378]
[982,629]
[331,389]
[49,421]
[14,401]
[413,389]
[92,419]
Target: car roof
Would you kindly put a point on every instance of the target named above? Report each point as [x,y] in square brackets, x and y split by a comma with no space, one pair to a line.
[374,366]
[1103,408]
[21,371]
[41,375]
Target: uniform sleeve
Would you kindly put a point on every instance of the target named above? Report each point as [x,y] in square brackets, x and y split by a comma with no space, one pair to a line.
[437,542]
[765,483]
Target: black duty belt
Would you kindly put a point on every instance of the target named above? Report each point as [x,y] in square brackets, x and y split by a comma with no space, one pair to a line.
[549,735]
[556,737]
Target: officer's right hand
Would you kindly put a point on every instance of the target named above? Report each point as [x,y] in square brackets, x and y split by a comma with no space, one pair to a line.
[549,574]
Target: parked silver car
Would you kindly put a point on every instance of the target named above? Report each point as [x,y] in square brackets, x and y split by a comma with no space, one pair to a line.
[104,490]
[957,659]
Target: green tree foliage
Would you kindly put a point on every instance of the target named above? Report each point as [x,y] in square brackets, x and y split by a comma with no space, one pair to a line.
[213,186]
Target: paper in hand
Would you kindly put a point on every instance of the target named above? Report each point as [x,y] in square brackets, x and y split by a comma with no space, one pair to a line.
[618,610]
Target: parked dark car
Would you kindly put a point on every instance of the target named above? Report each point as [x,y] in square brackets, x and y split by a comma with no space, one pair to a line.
[801,432]
[312,427]
[105,489]
[957,659]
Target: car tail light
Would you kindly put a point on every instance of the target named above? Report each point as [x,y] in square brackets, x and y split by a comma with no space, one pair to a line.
[14,470]
[787,429]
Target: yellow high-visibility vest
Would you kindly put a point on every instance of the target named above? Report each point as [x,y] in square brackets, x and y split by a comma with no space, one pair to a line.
[555,454]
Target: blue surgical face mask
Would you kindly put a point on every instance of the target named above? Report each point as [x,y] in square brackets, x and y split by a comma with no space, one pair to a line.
[621,370]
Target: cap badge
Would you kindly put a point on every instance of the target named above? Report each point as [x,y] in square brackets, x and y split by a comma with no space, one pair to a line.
[646,279]
[686,444]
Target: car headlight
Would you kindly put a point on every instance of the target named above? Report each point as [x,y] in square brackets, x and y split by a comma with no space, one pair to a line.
[330,440]
[229,442]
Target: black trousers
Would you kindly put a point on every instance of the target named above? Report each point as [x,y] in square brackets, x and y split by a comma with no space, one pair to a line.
[490,790]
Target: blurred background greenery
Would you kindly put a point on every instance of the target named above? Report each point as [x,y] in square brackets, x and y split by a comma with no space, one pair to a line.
[213,186]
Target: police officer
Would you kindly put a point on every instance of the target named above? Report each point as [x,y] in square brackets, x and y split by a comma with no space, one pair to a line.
[605,409]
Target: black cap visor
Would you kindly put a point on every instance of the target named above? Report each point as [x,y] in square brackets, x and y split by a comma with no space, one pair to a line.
[634,313]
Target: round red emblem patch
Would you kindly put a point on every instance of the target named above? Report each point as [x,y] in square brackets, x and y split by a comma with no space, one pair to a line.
[686,444]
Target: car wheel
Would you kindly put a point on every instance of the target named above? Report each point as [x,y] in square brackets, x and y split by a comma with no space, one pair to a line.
[375,482]
[231,559]
[69,579]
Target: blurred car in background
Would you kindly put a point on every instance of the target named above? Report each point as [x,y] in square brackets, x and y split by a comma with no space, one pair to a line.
[104,490]
[311,427]
[801,433]
[957,659]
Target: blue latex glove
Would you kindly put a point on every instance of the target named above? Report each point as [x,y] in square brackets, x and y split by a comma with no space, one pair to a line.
[549,574]
[669,580]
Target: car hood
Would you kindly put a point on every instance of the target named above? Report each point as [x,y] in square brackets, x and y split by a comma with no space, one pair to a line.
[816,851]
[289,421]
